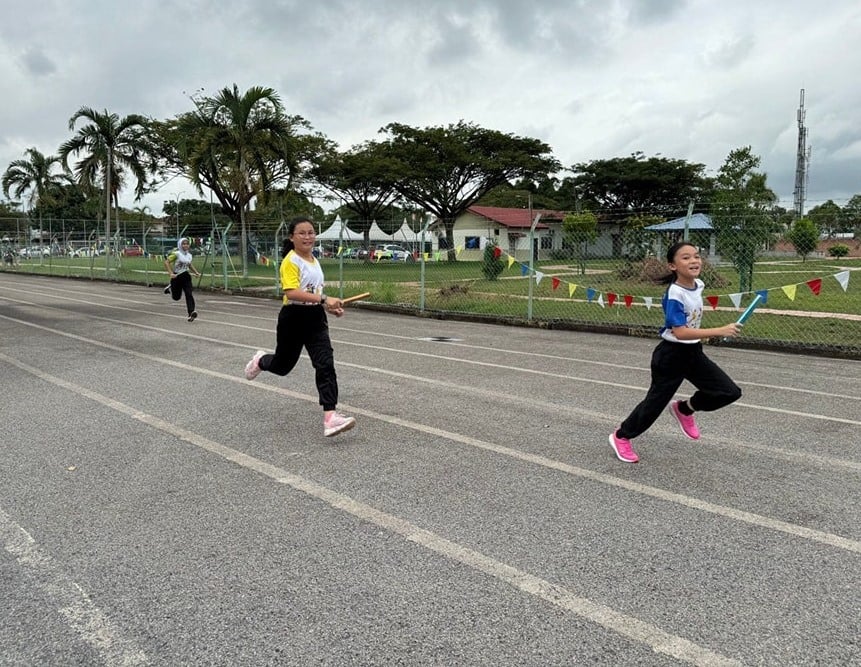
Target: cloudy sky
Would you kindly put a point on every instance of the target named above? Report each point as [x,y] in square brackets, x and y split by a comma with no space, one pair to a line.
[595,79]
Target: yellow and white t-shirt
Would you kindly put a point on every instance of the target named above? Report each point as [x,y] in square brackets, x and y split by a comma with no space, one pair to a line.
[296,273]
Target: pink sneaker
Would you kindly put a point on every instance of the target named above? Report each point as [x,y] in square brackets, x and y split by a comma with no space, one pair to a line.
[687,422]
[252,368]
[624,451]
[337,423]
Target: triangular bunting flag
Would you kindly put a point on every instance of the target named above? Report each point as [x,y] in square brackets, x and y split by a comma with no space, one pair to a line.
[510,261]
[628,300]
[438,256]
[571,289]
[538,277]
[789,290]
[763,294]
[611,298]
[815,285]
[524,269]
[601,300]
[736,299]
[843,279]
[426,256]
[497,251]
[590,294]
[713,300]
[340,250]
[648,302]
[554,282]
[458,250]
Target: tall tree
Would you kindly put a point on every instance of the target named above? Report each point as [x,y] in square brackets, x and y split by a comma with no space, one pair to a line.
[637,185]
[39,176]
[829,218]
[740,212]
[445,170]
[364,178]
[110,148]
[238,145]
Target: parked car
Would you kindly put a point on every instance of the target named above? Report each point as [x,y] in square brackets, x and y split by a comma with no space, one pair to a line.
[357,253]
[320,251]
[393,253]
[34,251]
[132,251]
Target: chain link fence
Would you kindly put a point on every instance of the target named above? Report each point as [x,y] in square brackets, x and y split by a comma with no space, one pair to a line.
[529,277]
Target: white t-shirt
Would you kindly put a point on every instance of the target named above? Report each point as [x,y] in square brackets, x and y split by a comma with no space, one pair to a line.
[296,273]
[683,307]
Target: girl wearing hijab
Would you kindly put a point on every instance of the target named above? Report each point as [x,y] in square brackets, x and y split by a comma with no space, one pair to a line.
[179,268]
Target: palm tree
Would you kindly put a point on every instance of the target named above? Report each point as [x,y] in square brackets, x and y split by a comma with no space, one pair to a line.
[237,145]
[109,147]
[36,175]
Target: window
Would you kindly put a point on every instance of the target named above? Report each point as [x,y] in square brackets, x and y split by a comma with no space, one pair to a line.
[472,242]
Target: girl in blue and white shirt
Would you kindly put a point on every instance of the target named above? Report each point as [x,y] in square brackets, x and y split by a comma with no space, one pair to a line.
[679,356]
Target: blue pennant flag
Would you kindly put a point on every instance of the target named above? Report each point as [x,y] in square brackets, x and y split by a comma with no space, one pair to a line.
[524,269]
[590,294]
[763,294]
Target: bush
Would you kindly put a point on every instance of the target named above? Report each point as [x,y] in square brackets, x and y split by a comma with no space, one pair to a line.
[491,265]
[839,250]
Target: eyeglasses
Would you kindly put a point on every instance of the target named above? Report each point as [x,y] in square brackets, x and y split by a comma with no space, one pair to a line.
[304,233]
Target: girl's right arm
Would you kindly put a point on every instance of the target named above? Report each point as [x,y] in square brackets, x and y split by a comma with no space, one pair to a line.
[727,331]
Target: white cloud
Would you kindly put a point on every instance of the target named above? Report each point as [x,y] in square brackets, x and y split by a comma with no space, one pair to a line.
[594,79]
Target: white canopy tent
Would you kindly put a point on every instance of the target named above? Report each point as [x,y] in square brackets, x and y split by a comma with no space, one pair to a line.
[335,232]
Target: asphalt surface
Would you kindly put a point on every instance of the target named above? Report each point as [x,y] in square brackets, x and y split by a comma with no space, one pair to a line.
[156,508]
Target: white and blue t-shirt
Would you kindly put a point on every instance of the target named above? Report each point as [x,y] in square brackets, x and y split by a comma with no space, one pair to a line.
[683,307]
[296,273]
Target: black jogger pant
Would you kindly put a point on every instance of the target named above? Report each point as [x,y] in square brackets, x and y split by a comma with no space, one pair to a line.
[308,327]
[180,285]
[671,364]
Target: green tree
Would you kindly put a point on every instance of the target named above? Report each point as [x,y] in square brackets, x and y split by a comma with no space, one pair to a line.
[445,170]
[109,149]
[39,176]
[238,145]
[364,179]
[580,229]
[636,184]
[828,217]
[636,239]
[740,212]
[852,215]
[804,236]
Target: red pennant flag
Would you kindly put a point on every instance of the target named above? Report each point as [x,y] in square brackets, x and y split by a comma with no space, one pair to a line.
[815,285]
[611,298]
[713,300]
[628,300]
[497,251]
[555,282]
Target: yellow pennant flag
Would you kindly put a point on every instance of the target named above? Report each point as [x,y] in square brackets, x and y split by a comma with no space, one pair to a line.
[458,250]
[426,256]
[789,290]
[571,289]
[510,261]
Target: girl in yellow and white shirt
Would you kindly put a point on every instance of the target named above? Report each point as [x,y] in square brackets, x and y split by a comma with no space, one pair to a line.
[302,322]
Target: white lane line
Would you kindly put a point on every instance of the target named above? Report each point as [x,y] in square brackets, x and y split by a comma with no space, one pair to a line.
[602,478]
[805,458]
[73,603]
[627,626]
[500,351]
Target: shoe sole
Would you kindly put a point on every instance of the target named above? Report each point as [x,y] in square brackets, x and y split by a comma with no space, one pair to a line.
[192,317]
[342,429]
[618,455]
[676,417]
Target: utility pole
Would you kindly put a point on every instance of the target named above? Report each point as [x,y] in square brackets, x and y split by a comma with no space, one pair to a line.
[802,158]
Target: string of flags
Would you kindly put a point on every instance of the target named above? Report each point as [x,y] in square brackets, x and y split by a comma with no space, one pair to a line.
[593,295]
